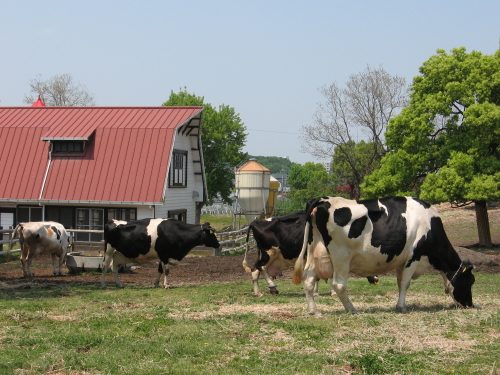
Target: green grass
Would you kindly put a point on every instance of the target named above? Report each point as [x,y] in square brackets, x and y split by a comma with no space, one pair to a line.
[222,329]
[219,222]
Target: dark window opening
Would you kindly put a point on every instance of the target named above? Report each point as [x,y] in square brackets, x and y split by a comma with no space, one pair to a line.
[67,147]
[127,214]
[60,214]
[26,214]
[180,215]
[177,176]
[90,219]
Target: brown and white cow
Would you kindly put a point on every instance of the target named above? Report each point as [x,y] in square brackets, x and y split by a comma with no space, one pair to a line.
[39,238]
[400,234]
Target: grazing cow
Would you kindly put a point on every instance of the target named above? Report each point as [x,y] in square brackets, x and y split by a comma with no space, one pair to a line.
[279,241]
[376,236]
[138,241]
[42,237]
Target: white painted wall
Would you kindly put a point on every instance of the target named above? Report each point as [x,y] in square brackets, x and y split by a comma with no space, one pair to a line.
[184,198]
[145,212]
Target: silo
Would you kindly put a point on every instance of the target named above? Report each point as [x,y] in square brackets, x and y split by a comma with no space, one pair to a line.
[252,188]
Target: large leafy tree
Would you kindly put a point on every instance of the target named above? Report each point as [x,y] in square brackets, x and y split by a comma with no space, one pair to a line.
[223,138]
[445,144]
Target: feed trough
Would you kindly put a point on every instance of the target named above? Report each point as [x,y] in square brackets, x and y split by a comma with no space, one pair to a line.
[79,262]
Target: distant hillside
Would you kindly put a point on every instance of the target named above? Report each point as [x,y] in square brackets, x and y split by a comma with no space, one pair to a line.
[275,163]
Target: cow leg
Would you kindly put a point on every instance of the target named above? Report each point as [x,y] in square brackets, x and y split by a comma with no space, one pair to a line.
[448,288]
[54,264]
[255,283]
[28,262]
[24,260]
[316,288]
[310,283]
[404,278]
[115,267]
[108,257]
[272,286]
[62,261]
[164,270]
[339,283]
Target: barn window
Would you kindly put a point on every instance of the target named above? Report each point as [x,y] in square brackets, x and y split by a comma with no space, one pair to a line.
[180,215]
[67,147]
[127,214]
[89,219]
[177,176]
[25,214]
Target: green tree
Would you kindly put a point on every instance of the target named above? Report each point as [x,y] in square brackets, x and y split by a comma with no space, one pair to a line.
[276,164]
[445,144]
[308,181]
[223,137]
[351,162]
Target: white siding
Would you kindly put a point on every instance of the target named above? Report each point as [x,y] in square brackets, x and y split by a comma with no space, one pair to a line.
[145,212]
[184,198]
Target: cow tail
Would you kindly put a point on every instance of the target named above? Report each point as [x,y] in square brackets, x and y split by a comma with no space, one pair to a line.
[299,263]
[245,264]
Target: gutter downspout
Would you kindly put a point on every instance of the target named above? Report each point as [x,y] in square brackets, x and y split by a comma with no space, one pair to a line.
[45,180]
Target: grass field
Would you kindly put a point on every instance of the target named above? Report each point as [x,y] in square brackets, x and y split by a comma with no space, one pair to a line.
[222,329]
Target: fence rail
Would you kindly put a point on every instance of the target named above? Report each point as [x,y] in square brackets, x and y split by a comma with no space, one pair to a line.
[232,242]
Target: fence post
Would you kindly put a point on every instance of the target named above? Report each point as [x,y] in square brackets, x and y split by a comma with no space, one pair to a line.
[1,245]
[218,251]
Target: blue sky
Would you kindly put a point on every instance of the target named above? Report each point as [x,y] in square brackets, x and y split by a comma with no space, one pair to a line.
[267,59]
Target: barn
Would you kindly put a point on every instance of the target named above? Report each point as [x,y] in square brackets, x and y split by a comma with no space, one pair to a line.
[81,166]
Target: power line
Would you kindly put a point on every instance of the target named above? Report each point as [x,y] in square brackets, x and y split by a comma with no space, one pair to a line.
[272,131]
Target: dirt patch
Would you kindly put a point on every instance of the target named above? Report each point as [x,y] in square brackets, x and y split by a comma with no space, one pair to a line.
[191,271]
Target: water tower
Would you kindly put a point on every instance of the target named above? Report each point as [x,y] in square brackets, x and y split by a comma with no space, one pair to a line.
[252,188]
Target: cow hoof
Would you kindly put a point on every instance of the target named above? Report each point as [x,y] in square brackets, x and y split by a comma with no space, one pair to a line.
[156,285]
[273,290]
[401,309]
[259,294]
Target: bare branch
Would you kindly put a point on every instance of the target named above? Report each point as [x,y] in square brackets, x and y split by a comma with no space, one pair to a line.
[60,91]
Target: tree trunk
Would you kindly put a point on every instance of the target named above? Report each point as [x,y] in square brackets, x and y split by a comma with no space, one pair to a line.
[483,223]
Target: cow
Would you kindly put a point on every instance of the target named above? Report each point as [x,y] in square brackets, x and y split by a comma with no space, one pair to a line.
[39,238]
[279,241]
[400,234]
[138,241]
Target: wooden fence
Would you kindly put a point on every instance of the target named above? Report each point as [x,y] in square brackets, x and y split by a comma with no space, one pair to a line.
[232,242]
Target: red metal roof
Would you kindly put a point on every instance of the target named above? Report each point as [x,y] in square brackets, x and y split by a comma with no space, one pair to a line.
[126,156]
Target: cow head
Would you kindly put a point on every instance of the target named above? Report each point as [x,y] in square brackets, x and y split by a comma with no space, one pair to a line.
[462,282]
[208,236]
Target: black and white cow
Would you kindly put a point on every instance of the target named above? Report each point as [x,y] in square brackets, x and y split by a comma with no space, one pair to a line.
[279,241]
[376,236]
[39,238]
[138,241]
